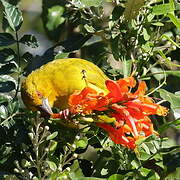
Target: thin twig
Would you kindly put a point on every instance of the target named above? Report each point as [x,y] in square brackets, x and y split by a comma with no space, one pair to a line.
[19,65]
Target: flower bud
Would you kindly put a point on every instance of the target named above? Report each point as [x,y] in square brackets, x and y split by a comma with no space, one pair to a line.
[46,128]
[77,137]
[75,155]
[16,170]
[68,169]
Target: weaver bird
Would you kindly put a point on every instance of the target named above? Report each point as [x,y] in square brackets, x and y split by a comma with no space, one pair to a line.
[53,83]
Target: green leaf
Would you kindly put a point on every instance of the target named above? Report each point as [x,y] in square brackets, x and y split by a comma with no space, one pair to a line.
[146,148]
[52,136]
[89,29]
[144,171]
[53,145]
[82,143]
[163,9]
[52,165]
[145,34]
[117,177]
[157,24]
[76,172]
[6,39]
[3,112]
[132,8]
[29,40]
[90,178]
[61,56]
[147,47]
[165,126]
[27,57]
[150,17]
[8,68]
[7,55]
[89,3]
[55,17]
[4,98]
[7,86]
[168,38]
[173,73]
[174,20]
[174,99]
[167,61]
[144,156]
[135,163]
[126,68]
[25,163]
[13,15]
[156,71]
[170,149]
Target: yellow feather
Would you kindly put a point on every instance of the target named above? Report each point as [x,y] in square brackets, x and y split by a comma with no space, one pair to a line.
[58,79]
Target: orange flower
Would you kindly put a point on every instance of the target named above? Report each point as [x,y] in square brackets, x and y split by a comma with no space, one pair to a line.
[118,135]
[130,109]
[118,89]
[86,101]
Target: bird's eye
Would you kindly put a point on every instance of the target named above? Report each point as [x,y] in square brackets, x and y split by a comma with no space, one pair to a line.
[39,94]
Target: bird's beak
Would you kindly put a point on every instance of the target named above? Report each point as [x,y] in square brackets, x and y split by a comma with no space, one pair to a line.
[45,106]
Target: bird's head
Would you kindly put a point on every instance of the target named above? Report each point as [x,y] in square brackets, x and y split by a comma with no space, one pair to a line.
[33,99]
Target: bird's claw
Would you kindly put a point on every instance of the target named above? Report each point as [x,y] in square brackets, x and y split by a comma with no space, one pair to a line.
[64,114]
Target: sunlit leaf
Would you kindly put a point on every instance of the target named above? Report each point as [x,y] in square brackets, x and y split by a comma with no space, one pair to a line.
[82,143]
[55,17]
[89,29]
[145,34]
[13,15]
[52,136]
[168,38]
[157,24]
[53,145]
[52,165]
[163,9]
[174,20]
[174,99]
[3,112]
[118,177]
[61,56]
[158,73]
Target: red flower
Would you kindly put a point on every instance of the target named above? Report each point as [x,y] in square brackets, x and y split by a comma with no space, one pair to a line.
[130,109]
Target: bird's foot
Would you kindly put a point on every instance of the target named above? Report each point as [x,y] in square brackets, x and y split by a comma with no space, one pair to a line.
[64,114]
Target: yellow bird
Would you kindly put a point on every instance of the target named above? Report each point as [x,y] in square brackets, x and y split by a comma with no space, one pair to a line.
[53,83]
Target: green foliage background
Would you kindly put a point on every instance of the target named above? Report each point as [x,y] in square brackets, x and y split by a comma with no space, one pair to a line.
[121,37]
